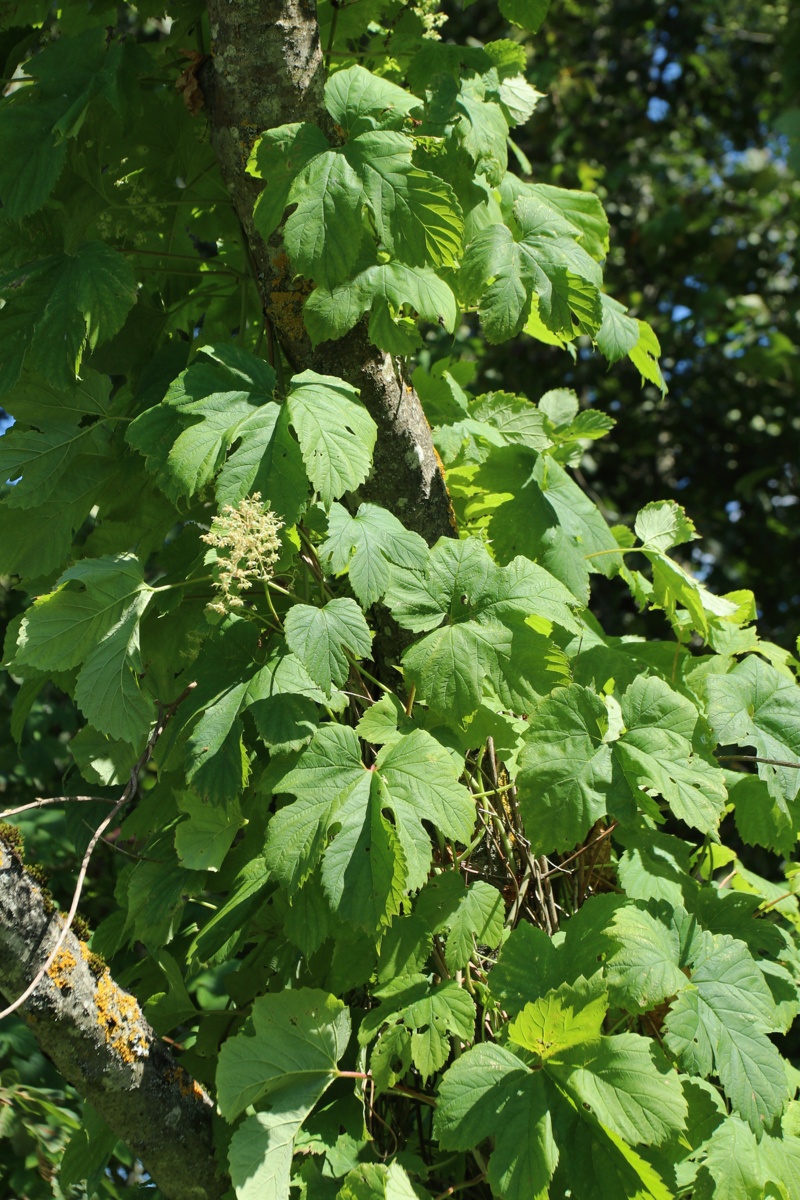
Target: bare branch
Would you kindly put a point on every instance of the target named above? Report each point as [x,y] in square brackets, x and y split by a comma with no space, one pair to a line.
[41,802]
[99,1041]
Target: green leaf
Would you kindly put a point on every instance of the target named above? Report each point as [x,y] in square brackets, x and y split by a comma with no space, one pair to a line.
[618,333]
[62,627]
[322,779]
[39,540]
[358,100]
[288,1052]
[336,433]
[323,234]
[571,763]
[285,722]
[35,122]
[539,255]
[489,1092]
[364,867]
[480,917]
[559,1021]
[429,1015]
[675,587]
[583,210]
[230,681]
[278,157]
[373,1181]
[645,355]
[656,751]
[732,1167]
[761,819]
[518,98]
[107,690]
[216,761]
[514,418]
[418,782]
[721,1023]
[367,546]
[482,129]
[384,721]
[88,1150]
[31,152]
[755,704]
[538,511]
[602,1167]
[208,945]
[222,400]
[461,580]
[645,966]
[98,627]
[529,14]
[627,1084]
[385,288]
[320,636]
[287,1058]
[422,784]
[529,966]
[662,525]
[62,306]
[469,914]
[416,216]
[488,641]
[605,1091]
[61,428]
[167,1009]
[205,838]
[101,759]
[565,772]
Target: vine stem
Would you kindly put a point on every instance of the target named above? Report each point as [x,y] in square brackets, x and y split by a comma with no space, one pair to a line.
[501,787]
[125,798]
[770,762]
[778,900]
[398,1087]
[459,1187]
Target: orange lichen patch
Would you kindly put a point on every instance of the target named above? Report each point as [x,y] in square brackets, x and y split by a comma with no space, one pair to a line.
[95,962]
[286,298]
[62,967]
[186,1085]
[287,316]
[120,1018]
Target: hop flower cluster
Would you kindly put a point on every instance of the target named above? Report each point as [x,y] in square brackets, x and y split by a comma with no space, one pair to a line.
[246,540]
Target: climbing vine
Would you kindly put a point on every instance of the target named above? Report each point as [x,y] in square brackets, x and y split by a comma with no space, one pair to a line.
[426,882]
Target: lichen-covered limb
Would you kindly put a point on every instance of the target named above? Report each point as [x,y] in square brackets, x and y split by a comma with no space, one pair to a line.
[267,70]
[96,1036]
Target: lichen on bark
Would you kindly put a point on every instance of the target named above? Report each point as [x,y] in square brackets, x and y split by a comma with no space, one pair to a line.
[96,1035]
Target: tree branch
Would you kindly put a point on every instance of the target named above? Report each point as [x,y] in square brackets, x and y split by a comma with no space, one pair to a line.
[99,1041]
[267,70]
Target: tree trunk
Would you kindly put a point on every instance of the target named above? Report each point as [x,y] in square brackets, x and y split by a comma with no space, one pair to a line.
[99,1041]
[267,70]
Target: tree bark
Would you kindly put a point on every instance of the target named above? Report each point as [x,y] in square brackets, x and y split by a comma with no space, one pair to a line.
[99,1041]
[267,70]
